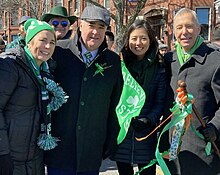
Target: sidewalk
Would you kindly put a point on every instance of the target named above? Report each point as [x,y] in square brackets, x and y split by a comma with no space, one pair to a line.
[109,168]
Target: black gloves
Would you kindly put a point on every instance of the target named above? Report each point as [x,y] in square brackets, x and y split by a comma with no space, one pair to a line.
[209,132]
[140,124]
[6,165]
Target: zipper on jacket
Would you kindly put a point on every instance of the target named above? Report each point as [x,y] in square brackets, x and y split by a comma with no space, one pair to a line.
[132,149]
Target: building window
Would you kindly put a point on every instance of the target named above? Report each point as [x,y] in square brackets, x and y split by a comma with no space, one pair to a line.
[6,20]
[1,23]
[24,9]
[203,17]
[77,5]
[47,5]
[70,5]
[58,2]
[107,4]
[13,37]
[14,18]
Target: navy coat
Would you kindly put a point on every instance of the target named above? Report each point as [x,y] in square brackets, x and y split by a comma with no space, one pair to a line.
[153,80]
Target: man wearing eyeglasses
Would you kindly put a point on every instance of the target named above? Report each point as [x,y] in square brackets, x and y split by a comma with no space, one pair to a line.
[60,20]
[91,75]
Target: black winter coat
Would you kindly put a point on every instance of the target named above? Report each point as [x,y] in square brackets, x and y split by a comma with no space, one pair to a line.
[87,124]
[152,77]
[20,114]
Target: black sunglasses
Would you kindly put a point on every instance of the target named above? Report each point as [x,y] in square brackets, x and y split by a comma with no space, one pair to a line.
[56,23]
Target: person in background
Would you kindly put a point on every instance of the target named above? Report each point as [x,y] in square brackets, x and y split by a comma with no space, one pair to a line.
[24,95]
[198,65]
[141,57]
[216,37]
[2,46]
[91,75]
[20,41]
[109,39]
[163,48]
[59,19]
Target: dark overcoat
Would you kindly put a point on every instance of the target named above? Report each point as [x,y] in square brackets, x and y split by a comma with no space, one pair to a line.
[201,73]
[87,124]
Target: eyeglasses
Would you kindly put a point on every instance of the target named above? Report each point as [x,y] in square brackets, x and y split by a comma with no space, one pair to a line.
[63,23]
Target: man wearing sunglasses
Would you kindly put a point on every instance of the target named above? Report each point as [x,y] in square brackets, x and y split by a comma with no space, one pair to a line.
[91,76]
[60,20]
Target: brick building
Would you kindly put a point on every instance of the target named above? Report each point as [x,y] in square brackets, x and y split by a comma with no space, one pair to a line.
[159,12]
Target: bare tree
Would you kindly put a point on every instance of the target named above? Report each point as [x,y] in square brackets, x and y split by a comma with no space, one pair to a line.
[8,5]
[121,9]
[34,8]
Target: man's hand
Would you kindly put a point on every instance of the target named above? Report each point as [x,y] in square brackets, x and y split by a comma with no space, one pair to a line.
[209,132]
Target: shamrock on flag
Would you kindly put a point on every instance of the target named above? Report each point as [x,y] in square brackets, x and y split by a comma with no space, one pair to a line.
[130,104]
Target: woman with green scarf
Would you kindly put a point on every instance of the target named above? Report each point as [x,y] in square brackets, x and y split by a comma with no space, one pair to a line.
[28,94]
[198,65]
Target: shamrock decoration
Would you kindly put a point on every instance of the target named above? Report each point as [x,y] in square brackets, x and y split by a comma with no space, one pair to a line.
[133,100]
[100,68]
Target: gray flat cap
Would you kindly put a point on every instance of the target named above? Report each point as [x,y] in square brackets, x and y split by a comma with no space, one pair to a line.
[95,13]
[23,19]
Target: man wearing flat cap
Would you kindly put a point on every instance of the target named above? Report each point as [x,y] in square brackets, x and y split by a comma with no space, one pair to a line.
[20,41]
[91,76]
[59,19]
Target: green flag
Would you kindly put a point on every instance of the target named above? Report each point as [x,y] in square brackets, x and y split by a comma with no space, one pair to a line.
[131,102]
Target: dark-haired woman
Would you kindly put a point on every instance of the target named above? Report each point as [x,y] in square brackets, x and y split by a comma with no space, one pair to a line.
[141,57]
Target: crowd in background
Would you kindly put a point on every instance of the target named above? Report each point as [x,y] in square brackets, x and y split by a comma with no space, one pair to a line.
[60,88]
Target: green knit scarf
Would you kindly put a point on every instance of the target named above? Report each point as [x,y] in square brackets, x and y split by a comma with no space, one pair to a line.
[58,98]
[184,57]
[36,69]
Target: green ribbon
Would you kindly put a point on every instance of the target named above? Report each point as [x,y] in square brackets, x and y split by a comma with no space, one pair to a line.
[152,162]
[179,114]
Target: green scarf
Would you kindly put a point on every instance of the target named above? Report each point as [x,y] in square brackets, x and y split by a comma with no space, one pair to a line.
[184,57]
[36,70]
[48,86]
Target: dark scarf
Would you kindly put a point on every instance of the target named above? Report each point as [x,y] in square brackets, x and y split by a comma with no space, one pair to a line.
[143,70]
